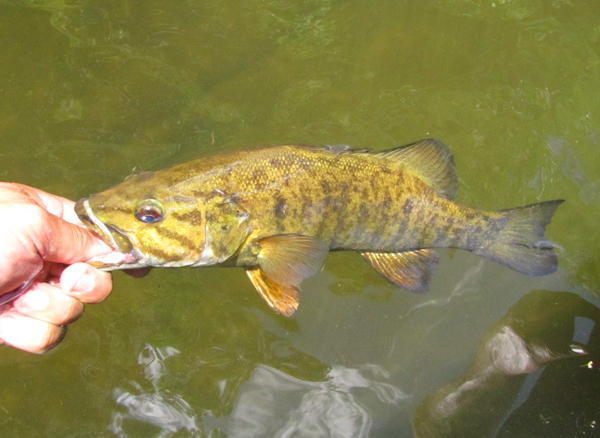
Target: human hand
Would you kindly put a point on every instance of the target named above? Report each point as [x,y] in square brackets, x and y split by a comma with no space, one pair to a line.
[43,241]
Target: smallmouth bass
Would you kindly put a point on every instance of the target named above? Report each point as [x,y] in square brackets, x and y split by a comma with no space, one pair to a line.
[277,211]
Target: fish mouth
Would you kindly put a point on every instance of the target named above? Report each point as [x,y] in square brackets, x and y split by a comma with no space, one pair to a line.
[124,257]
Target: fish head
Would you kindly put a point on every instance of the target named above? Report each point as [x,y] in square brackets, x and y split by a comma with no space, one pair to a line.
[151,224]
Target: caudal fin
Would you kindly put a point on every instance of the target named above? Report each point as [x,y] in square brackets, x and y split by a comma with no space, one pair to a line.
[521,244]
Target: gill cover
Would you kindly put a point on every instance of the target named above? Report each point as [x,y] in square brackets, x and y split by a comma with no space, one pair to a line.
[226,229]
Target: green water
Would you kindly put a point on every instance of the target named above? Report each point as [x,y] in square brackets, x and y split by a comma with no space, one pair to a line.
[91,90]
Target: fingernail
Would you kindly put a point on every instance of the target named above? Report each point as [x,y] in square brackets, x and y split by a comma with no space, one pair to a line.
[84,284]
[36,300]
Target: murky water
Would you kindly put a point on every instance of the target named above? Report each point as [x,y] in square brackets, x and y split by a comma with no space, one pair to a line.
[91,90]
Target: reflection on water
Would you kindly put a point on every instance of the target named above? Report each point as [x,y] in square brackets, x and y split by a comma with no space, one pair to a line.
[564,159]
[168,412]
[274,404]
[162,409]
[567,161]
[469,283]
[271,403]
[492,399]
[542,327]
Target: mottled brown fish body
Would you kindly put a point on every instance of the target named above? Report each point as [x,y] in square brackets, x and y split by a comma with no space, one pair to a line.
[349,201]
[276,211]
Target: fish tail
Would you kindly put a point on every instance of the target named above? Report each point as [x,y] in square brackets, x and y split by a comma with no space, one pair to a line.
[521,244]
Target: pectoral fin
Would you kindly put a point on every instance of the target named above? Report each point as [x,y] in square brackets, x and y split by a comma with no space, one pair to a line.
[282,299]
[287,259]
[410,270]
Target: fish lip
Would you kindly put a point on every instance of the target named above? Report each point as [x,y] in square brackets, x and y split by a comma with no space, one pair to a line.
[87,216]
[124,255]
[81,209]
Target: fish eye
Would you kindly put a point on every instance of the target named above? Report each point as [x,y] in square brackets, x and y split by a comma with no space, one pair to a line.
[149,211]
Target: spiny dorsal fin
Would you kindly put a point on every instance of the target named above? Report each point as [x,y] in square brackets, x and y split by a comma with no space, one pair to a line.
[336,149]
[282,299]
[287,259]
[431,160]
[339,149]
[410,270]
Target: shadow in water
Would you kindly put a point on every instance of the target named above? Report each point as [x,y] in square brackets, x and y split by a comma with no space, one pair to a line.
[499,394]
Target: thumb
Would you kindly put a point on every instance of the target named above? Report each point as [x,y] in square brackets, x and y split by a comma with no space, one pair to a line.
[63,242]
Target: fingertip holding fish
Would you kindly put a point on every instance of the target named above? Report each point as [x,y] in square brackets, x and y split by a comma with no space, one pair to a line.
[77,279]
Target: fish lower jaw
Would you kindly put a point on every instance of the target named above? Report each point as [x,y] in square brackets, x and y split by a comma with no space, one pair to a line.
[116,260]
[119,260]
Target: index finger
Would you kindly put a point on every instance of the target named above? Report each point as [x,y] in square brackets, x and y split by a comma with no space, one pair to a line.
[54,204]
[35,227]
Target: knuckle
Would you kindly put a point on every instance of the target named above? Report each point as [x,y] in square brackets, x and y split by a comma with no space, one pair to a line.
[70,312]
[44,338]
[29,334]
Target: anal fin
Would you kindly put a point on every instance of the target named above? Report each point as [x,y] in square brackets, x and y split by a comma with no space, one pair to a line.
[410,270]
[282,299]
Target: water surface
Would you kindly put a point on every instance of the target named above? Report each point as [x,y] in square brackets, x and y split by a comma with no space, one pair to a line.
[92,90]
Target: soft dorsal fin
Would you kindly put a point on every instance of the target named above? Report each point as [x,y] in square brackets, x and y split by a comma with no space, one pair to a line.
[431,160]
